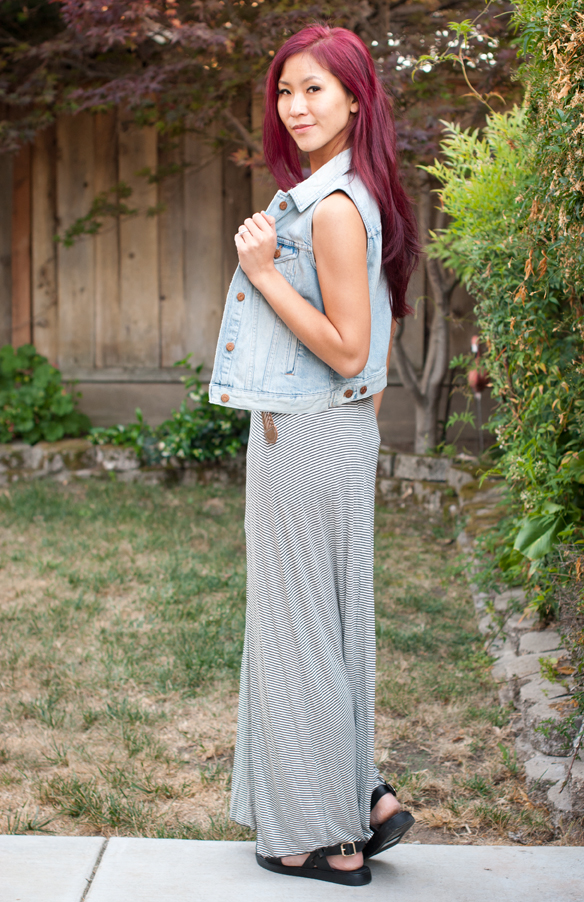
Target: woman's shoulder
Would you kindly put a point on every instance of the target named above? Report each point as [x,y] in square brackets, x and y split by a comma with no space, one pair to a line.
[348,202]
[334,206]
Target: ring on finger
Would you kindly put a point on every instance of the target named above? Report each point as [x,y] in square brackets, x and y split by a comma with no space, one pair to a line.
[243,229]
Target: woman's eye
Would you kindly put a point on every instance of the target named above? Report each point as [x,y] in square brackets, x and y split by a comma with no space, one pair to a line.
[314,88]
[283,91]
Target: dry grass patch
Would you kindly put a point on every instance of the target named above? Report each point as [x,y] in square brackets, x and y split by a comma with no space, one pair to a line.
[122,611]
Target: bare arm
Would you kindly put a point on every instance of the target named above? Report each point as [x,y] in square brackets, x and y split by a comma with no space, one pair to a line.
[341,335]
[377,398]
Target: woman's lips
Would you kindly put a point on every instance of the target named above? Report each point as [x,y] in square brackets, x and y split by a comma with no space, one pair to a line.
[299,129]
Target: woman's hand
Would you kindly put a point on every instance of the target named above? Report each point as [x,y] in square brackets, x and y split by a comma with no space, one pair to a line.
[256,244]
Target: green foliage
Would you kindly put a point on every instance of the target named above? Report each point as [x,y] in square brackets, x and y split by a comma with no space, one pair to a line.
[515,199]
[198,430]
[105,204]
[34,405]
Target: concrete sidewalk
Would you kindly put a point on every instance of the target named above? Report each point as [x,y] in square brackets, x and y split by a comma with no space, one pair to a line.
[91,869]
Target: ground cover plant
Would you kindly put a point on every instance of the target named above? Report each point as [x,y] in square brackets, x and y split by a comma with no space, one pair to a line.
[121,614]
[34,403]
[198,430]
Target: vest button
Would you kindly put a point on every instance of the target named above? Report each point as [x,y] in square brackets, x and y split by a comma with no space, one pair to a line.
[240,296]
[229,346]
[277,254]
[225,398]
[349,393]
[363,389]
[283,205]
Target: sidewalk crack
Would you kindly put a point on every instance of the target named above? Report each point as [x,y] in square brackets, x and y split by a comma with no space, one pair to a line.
[94,871]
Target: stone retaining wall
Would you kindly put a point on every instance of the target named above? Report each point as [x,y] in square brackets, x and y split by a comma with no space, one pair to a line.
[520,650]
[431,481]
[74,459]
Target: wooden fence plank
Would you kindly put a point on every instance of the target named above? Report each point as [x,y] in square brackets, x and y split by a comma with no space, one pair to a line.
[204,287]
[107,252]
[139,343]
[75,265]
[237,200]
[173,312]
[6,166]
[21,302]
[263,184]
[44,252]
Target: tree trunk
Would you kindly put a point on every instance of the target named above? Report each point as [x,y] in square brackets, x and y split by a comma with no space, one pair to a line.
[426,387]
[426,424]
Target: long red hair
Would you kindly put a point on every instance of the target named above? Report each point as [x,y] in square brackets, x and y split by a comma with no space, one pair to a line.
[372,136]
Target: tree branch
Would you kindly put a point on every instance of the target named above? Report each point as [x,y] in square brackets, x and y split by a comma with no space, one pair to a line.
[242,131]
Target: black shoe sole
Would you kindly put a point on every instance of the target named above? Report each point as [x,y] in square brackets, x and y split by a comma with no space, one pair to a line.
[360,877]
[389,834]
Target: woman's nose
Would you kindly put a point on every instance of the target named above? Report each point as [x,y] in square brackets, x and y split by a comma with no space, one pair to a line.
[298,106]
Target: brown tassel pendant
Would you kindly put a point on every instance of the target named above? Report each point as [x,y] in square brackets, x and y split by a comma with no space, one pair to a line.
[270,431]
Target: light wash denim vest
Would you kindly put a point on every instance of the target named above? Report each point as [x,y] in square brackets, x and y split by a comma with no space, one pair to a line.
[259,362]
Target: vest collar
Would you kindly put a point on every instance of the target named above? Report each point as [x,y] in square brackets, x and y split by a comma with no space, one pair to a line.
[314,187]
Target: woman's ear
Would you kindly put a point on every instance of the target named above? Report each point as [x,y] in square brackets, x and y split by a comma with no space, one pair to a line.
[354,106]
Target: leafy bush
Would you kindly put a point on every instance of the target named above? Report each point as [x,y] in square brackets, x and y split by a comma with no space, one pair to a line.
[516,238]
[34,405]
[198,430]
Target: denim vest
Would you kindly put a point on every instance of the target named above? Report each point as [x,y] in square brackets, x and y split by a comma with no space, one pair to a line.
[259,362]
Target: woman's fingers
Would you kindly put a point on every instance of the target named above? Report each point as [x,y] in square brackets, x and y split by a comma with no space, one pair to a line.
[271,220]
[258,224]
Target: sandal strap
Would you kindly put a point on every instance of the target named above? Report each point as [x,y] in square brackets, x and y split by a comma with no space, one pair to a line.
[381,790]
[318,858]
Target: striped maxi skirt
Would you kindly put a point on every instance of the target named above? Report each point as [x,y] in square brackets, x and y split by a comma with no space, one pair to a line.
[304,772]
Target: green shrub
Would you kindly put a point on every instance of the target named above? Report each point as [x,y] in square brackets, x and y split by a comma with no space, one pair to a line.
[515,199]
[34,405]
[198,430]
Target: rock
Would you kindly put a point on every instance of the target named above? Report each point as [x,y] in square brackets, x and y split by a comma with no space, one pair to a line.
[486,625]
[420,467]
[480,599]
[523,666]
[503,601]
[482,493]
[540,690]
[546,730]
[545,769]
[75,453]
[117,460]
[560,801]
[456,477]
[522,622]
[576,786]
[388,489]
[539,642]
[500,667]
[385,463]
[431,497]
[12,455]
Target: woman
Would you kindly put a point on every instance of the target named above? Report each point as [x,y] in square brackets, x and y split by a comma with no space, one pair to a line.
[305,344]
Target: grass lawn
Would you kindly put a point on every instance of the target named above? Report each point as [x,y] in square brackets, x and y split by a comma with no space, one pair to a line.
[121,620]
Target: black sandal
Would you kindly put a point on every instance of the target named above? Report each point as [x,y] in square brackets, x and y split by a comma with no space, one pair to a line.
[317,867]
[390,832]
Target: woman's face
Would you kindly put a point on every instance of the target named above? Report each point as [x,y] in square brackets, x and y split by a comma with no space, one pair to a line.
[315,108]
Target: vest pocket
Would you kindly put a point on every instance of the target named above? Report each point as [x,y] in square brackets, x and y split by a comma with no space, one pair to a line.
[291,355]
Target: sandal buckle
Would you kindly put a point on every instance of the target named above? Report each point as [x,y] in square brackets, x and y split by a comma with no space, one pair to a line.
[353,851]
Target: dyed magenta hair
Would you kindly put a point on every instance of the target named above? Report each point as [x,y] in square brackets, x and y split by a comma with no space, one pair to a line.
[372,137]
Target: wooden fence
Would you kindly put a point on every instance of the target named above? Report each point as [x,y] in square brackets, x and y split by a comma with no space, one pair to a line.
[146,289]
[118,308]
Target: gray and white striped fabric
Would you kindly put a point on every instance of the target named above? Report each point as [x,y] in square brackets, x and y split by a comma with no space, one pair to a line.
[304,772]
